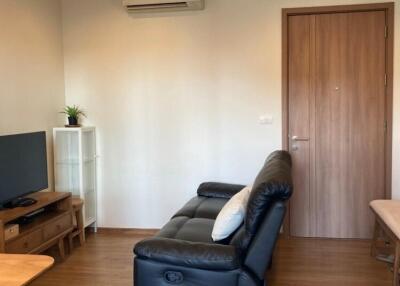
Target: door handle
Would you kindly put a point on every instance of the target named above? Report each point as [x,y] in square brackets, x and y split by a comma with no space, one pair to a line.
[297,138]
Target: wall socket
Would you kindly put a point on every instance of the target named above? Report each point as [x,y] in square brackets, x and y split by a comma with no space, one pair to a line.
[266,119]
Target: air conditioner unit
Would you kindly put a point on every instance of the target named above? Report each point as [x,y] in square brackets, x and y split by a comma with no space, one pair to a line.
[146,6]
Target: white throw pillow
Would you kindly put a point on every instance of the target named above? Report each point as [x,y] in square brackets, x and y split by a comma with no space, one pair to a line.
[231,215]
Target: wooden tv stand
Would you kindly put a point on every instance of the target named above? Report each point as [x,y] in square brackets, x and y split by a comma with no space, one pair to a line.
[47,229]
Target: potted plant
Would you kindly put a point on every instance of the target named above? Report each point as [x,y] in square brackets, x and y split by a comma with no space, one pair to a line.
[73,112]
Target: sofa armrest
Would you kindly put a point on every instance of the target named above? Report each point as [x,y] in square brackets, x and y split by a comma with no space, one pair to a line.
[218,190]
[189,254]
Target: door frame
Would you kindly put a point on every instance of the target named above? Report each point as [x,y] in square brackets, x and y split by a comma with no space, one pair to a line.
[388,8]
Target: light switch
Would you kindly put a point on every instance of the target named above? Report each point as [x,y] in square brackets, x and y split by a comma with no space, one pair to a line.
[266,119]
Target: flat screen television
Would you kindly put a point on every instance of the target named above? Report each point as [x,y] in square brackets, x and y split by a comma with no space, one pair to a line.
[23,168]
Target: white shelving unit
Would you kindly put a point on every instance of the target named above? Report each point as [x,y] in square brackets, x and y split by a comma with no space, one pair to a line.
[75,166]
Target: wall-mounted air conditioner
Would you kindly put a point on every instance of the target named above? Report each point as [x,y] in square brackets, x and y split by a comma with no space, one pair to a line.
[146,6]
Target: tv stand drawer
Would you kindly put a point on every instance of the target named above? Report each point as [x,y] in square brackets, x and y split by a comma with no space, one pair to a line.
[45,230]
[26,243]
[57,226]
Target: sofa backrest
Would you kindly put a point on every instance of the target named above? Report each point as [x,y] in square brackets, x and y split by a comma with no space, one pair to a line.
[273,183]
[265,209]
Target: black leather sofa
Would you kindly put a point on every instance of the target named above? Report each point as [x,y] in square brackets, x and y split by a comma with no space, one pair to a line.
[183,252]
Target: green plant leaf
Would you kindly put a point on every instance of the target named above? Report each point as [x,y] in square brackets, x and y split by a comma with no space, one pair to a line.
[73,111]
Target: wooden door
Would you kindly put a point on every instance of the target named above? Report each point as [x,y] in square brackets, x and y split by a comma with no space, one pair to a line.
[337,117]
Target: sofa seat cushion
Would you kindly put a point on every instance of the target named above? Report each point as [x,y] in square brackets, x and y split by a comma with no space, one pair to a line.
[189,254]
[188,229]
[202,207]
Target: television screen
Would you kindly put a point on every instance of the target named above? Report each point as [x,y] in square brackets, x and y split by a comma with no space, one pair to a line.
[23,165]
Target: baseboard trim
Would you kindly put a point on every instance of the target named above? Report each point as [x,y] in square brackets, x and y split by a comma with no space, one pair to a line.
[125,231]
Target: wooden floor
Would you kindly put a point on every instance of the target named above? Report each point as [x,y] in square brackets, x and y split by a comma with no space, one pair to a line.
[106,260]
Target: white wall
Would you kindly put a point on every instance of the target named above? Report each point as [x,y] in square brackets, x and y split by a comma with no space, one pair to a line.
[31,67]
[176,98]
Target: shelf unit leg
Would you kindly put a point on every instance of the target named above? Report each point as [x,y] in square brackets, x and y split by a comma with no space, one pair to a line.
[70,242]
[80,226]
[61,248]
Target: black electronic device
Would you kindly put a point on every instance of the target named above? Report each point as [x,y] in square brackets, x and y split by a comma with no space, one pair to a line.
[23,168]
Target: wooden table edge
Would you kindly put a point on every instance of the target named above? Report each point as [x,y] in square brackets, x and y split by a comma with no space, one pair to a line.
[47,260]
[51,263]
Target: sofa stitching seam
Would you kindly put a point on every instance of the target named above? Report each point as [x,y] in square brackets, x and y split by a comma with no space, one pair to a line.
[181,226]
[195,211]
[186,257]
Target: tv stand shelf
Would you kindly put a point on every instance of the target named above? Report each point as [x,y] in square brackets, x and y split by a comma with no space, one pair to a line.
[46,229]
